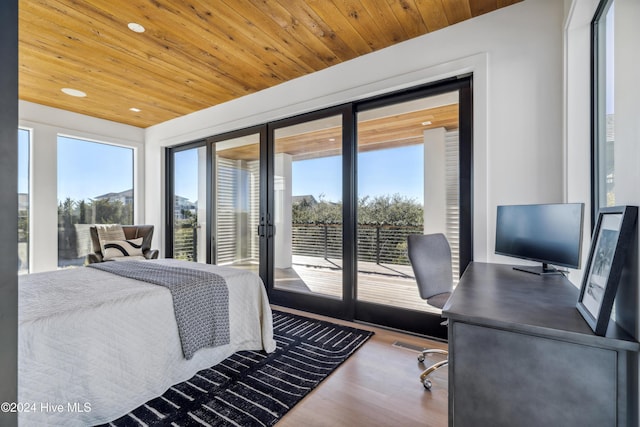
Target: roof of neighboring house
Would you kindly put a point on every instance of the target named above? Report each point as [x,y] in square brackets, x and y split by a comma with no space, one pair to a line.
[183,200]
[125,193]
[308,198]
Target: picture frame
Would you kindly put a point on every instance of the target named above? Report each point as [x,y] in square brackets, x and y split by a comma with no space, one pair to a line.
[612,235]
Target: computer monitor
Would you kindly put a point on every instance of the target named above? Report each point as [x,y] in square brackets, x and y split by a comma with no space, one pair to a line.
[547,233]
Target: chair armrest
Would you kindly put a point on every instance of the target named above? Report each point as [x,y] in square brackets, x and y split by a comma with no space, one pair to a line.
[151,254]
[93,258]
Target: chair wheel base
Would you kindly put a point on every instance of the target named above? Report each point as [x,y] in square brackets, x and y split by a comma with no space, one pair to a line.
[424,377]
[421,358]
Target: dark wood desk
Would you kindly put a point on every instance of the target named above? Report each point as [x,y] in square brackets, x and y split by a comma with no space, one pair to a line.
[520,354]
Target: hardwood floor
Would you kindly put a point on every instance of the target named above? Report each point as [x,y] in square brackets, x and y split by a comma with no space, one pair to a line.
[376,387]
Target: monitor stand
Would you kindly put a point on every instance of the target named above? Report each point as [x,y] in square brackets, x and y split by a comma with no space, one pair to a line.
[543,270]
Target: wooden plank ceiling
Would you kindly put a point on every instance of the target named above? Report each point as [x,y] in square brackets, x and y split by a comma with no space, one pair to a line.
[386,131]
[198,53]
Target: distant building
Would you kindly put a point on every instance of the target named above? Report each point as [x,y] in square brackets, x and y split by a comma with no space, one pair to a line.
[23,202]
[126,197]
[609,156]
[182,205]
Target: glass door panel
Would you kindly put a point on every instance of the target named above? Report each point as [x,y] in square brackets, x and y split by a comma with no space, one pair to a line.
[307,207]
[189,208]
[237,202]
[407,184]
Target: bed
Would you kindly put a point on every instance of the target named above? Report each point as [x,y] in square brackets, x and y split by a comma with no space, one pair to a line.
[94,345]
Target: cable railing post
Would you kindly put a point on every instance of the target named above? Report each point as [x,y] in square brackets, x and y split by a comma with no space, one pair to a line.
[377,244]
[326,238]
[195,243]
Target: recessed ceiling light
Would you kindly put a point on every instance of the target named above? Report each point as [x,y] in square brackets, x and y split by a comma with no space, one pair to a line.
[134,109]
[332,139]
[427,123]
[135,27]
[73,92]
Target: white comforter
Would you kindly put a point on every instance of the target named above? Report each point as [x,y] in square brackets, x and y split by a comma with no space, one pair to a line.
[93,346]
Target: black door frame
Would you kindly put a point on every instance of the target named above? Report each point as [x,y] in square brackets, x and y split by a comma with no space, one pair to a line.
[348,307]
[412,320]
[170,193]
[261,131]
[328,306]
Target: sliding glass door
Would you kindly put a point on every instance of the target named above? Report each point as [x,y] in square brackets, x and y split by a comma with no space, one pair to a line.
[407,184]
[321,204]
[236,197]
[306,209]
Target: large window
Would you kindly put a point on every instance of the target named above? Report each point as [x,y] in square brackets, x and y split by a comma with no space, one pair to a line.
[604,190]
[23,200]
[95,186]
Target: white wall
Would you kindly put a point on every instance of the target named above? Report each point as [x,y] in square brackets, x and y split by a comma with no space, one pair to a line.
[515,54]
[577,114]
[46,124]
[627,130]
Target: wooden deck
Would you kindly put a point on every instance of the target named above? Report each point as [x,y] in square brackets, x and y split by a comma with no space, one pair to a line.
[387,284]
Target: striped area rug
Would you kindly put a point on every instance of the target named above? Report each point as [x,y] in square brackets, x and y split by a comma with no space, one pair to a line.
[252,388]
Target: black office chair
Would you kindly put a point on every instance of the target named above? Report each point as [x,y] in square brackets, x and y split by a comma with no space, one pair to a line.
[430,257]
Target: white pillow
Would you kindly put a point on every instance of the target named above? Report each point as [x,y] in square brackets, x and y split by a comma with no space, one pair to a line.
[109,232]
[122,248]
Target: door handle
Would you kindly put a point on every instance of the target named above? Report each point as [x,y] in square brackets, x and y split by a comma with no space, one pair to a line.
[261,227]
[271,229]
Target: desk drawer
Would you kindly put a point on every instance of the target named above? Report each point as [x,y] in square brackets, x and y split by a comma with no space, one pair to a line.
[502,378]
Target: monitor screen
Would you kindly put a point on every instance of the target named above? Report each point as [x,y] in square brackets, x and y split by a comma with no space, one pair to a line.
[549,233]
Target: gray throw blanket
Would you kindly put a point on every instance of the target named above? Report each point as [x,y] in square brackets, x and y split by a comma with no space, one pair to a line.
[200,300]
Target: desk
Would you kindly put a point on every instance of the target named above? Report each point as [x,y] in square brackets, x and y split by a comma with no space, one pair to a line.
[520,354]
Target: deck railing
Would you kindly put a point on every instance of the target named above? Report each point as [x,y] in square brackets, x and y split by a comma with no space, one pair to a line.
[382,244]
[185,243]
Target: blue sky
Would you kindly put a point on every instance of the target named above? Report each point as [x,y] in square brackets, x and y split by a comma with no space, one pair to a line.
[397,170]
[609,52]
[186,179]
[88,169]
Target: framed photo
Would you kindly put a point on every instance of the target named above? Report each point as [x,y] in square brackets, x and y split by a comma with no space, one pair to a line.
[611,237]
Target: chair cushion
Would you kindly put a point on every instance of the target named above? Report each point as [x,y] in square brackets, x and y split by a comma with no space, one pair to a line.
[122,248]
[439,300]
